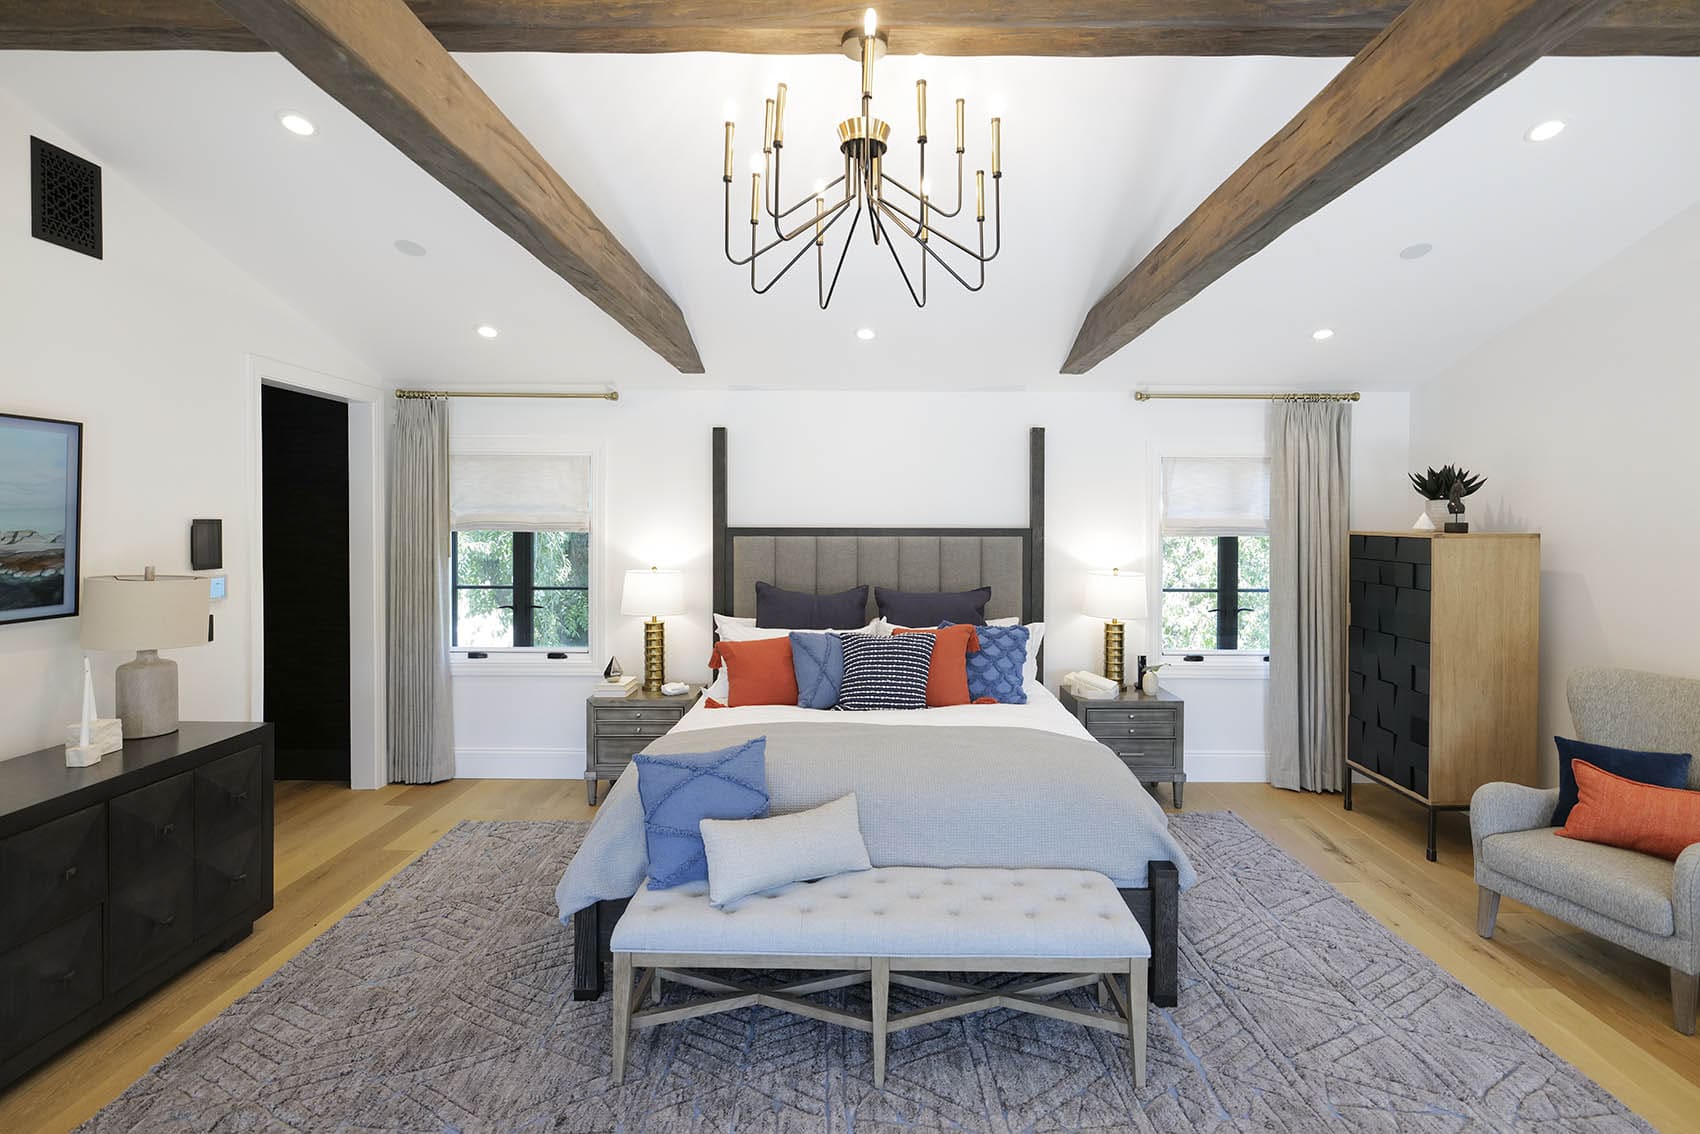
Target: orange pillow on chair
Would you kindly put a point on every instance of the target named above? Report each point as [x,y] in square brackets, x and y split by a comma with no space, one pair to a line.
[1623,813]
[759,672]
[947,674]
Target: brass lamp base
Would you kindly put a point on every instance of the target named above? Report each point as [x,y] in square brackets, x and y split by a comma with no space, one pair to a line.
[654,655]
[1114,636]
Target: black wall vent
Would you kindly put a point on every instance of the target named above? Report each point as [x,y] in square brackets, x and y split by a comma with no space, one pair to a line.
[64,199]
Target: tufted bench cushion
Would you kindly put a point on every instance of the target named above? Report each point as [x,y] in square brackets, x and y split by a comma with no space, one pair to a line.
[896,911]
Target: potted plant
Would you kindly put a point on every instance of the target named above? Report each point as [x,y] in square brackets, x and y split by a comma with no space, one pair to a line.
[1437,488]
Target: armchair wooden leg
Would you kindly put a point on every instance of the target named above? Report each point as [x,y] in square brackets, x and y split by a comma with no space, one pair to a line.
[1684,988]
[1487,911]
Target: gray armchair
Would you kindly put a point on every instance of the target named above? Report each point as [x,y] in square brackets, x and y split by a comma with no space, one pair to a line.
[1642,903]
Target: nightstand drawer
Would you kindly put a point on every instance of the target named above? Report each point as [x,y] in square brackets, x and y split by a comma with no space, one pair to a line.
[665,715]
[1158,752]
[617,753]
[606,729]
[1108,723]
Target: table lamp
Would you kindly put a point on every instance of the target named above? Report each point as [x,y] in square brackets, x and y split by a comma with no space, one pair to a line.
[1113,596]
[653,593]
[146,613]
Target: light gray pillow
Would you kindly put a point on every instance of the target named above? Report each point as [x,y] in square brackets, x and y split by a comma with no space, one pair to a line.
[746,856]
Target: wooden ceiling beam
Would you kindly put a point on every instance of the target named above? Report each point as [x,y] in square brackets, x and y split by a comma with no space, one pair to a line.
[379,61]
[802,27]
[1437,58]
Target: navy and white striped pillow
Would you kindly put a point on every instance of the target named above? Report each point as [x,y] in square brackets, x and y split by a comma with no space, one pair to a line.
[885,673]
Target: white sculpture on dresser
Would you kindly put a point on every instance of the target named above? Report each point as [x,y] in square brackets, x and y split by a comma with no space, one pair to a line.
[93,737]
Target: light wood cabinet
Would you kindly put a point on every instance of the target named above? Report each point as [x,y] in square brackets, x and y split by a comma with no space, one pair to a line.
[1443,663]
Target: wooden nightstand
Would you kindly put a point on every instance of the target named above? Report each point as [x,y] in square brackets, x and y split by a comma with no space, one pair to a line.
[1148,731]
[618,728]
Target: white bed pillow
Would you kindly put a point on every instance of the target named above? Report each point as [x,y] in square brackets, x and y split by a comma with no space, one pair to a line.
[747,856]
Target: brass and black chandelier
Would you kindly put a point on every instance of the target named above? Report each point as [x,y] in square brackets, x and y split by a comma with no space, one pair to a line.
[865,188]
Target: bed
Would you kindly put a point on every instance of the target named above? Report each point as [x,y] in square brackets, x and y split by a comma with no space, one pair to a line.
[973,785]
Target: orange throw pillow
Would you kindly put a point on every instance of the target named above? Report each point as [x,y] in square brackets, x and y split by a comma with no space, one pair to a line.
[760,672]
[1623,813]
[947,675]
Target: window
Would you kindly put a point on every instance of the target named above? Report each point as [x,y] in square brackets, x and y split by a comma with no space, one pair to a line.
[1215,555]
[522,589]
[520,549]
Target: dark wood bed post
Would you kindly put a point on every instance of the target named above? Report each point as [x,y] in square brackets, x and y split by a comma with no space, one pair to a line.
[1157,905]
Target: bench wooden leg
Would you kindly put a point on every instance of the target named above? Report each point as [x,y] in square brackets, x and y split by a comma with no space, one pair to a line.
[880,986]
[1136,1016]
[622,1013]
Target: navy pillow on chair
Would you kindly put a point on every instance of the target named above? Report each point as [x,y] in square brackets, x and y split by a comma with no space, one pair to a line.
[916,608]
[679,792]
[819,662]
[798,610]
[1661,769]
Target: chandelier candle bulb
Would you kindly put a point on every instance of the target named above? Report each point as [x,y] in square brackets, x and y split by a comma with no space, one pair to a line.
[779,117]
[755,198]
[767,129]
[727,176]
[820,211]
[979,194]
[923,217]
[961,115]
[921,107]
[997,147]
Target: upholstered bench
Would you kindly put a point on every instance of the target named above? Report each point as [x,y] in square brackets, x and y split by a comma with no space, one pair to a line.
[883,927]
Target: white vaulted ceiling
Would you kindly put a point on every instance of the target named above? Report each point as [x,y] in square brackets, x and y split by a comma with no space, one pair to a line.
[1102,158]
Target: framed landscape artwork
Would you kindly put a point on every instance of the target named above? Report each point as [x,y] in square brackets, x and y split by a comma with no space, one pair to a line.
[41,474]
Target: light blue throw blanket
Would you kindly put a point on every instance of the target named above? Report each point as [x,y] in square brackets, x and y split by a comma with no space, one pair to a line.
[928,796]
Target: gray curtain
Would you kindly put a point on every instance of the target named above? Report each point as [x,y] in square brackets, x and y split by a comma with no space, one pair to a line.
[421,721]
[1310,455]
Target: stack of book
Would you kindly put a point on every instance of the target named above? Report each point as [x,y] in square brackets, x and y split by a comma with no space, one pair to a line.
[623,686]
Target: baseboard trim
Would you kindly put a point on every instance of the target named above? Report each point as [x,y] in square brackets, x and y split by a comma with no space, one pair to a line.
[519,763]
[1227,767]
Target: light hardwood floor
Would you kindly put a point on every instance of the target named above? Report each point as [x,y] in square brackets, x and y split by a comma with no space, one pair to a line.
[1598,1006]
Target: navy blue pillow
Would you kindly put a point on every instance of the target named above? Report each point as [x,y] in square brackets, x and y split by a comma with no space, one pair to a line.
[819,662]
[679,792]
[1661,769]
[798,610]
[911,608]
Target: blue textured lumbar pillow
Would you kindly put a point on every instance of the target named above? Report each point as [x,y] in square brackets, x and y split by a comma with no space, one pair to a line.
[679,792]
[1661,769]
[994,670]
[885,673]
[819,662]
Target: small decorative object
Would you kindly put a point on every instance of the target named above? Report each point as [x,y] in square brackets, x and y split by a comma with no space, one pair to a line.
[1455,506]
[92,738]
[656,593]
[1149,681]
[613,670]
[40,505]
[1423,524]
[1112,596]
[1139,672]
[146,613]
[1436,488]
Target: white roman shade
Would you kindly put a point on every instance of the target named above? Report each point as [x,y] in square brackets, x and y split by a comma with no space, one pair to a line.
[520,492]
[1215,496]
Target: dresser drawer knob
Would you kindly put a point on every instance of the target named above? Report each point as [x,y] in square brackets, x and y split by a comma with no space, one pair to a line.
[236,796]
[66,977]
[239,879]
[164,922]
[165,831]
[70,873]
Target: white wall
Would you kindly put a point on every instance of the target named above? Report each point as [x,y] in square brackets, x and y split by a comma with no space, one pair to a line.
[1584,418]
[149,348]
[885,458]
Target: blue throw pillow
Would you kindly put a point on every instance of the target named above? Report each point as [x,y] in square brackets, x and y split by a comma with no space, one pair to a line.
[994,671]
[679,792]
[781,609]
[1661,769]
[918,608]
[819,662]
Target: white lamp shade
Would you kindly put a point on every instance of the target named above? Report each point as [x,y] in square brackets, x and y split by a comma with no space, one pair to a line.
[1115,595]
[653,593]
[128,612]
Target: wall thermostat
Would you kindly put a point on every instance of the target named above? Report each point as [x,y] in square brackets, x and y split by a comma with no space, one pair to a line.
[215,587]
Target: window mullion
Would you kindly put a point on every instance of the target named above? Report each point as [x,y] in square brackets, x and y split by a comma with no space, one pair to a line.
[1227,593]
[524,576]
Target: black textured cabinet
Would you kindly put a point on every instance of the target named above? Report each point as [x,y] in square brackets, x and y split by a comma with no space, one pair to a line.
[117,877]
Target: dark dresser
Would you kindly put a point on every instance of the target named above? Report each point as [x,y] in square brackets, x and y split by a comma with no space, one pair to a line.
[1147,730]
[117,877]
[618,728]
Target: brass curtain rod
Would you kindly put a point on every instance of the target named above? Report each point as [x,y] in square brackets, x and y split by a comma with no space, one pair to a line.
[605,395]
[1142,396]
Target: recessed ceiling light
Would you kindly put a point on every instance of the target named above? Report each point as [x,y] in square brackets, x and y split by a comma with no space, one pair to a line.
[297,123]
[1322,335]
[1415,251]
[865,333]
[487,331]
[410,248]
[1545,131]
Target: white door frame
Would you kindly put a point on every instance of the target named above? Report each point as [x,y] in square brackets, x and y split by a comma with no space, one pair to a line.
[368,765]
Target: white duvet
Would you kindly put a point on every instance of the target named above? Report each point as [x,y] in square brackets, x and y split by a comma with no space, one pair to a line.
[1042,712]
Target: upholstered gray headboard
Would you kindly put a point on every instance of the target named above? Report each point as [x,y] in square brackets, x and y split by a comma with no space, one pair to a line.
[823,560]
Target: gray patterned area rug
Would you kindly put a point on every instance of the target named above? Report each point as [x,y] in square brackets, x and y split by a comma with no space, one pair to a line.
[443,1004]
